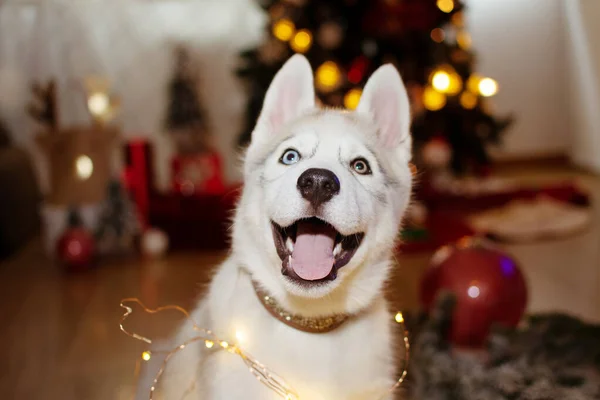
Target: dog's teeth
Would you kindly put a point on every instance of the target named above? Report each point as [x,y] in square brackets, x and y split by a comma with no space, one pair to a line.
[289,244]
[337,249]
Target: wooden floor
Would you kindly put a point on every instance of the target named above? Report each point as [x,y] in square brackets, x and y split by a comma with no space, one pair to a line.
[60,337]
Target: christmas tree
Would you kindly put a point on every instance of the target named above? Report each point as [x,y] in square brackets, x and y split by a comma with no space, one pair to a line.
[185,117]
[346,40]
[119,224]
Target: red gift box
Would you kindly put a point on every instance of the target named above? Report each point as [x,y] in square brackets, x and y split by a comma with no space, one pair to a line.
[197,174]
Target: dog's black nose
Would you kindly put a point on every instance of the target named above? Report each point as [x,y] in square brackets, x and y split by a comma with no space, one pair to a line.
[318,185]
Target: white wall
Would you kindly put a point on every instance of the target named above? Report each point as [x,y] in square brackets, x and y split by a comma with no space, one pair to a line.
[583,55]
[520,43]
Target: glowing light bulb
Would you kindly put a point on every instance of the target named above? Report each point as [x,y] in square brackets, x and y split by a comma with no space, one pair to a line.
[473,83]
[302,41]
[284,29]
[209,344]
[98,104]
[468,100]
[445,80]
[464,40]
[473,291]
[328,75]
[240,336]
[433,100]
[441,81]
[399,318]
[438,35]
[458,19]
[488,87]
[224,344]
[352,98]
[146,356]
[84,167]
[446,5]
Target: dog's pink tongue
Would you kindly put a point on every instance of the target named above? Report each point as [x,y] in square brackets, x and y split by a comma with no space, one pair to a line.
[312,257]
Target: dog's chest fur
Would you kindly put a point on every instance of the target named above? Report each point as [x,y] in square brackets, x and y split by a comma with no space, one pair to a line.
[358,350]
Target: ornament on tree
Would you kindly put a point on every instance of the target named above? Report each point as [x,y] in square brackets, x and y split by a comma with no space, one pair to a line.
[75,248]
[154,243]
[119,223]
[488,286]
[272,52]
[330,35]
[436,153]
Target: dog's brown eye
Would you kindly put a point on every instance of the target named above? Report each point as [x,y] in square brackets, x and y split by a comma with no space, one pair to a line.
[361,166]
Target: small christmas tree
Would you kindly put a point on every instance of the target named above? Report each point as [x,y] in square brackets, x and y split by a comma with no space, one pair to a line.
[119,224]
[185,117]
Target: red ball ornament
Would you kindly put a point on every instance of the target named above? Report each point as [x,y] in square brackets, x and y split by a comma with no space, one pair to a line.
[75,248]
[488,286]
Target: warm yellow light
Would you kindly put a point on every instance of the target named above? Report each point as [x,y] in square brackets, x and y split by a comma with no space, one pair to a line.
[352,98]
[463,38]
[146,356]
[446,80]
[84,167]
[399,318]
[446,5]
[302,41]
[468,100]
[240,336]
[98,104]
[284,29]
[209,344]
[433,100]
[473,83]
[328,75]
[224,344]
[441,81]
[438,35]
[488,87]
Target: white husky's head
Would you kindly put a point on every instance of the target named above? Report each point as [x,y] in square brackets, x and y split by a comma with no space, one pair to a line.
[325,191]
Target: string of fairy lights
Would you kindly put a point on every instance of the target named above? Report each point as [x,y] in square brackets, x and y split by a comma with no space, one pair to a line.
[444,81]
[260,371]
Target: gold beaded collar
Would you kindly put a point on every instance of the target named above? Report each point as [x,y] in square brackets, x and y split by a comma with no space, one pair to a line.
[304,324]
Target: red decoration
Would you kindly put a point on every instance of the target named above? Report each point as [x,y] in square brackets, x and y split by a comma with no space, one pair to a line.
[488,286]
[357,70]
[75,248]
[197,174]
[138,176]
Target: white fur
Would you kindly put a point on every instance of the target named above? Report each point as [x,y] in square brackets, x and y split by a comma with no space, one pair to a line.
[354,361]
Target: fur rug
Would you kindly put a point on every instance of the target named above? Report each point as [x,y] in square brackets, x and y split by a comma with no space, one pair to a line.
[551,357]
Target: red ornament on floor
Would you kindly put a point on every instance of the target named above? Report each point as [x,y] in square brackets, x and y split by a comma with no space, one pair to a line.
[488,286]
[75,248]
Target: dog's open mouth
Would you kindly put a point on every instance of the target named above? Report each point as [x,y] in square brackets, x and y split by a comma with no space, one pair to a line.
[311,250]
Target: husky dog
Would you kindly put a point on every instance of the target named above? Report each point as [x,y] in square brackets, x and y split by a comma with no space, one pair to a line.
[302,290]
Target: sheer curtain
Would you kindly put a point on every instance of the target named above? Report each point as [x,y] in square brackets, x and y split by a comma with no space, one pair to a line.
[130,42]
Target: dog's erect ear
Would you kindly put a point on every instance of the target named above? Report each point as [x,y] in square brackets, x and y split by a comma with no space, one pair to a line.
[291,93]
[385,99]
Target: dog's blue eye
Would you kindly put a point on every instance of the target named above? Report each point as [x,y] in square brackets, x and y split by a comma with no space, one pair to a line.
[289,157]
[361,166]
